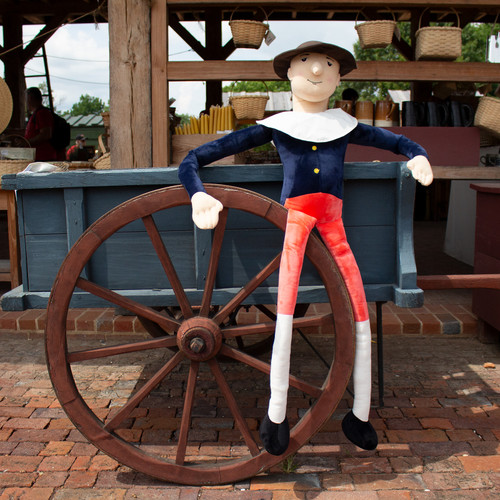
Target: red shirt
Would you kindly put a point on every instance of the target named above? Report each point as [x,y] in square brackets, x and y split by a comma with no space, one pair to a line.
[41,118]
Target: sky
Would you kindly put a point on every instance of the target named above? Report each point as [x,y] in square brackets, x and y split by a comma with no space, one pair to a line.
[78,57]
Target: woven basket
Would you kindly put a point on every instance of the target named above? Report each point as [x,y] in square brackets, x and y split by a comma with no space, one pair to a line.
[103,162]
[62,165]
[375,34]
[487,115]
[442,43]
[105,118]
[248,34]
[13,166]
[249,107]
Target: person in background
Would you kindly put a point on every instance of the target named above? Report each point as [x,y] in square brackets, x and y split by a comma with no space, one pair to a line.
[40,125]
[79,151]
[350,94]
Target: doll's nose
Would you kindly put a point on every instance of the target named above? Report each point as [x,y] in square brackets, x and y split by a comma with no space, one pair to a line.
[317,68]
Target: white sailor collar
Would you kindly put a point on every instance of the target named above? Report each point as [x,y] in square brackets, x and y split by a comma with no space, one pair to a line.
[313,127]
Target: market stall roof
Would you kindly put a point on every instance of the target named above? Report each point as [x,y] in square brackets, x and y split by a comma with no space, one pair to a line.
[92,120]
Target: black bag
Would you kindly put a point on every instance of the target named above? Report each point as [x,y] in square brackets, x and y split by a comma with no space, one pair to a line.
[61,133]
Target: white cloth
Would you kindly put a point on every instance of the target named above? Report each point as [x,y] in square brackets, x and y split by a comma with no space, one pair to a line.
[312,127]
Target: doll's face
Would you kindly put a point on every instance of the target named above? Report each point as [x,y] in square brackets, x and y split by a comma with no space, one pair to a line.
[313,77]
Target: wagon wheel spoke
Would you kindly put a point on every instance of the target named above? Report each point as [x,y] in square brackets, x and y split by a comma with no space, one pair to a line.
[186,413]
[116,350]
[135,307]
[144,391]
[214,262]
[233,407]
[264,367]
[168,267]
[258,279]
[309,321]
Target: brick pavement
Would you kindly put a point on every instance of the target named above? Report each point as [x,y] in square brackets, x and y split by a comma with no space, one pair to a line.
[439,431]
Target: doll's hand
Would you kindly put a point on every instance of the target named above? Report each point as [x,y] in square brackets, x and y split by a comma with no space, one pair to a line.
[205,210]
[421,169]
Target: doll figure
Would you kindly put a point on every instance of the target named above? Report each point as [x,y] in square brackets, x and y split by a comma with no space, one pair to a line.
[311,141]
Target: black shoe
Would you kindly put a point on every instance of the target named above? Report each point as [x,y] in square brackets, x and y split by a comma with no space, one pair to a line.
[274,437]
[360,433]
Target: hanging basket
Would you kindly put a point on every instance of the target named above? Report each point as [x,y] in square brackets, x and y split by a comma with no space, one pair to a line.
[249,107]
[442,43]
[248,34]
[375,34]
[487,115]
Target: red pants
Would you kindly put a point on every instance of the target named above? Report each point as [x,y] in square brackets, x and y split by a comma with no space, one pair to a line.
[325,212]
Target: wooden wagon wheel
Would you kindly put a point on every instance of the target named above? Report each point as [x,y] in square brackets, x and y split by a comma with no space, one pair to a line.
[151,428]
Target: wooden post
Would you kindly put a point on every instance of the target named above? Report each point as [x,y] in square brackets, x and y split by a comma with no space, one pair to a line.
[130,83]
[14,68]
[159,85]
[213,44]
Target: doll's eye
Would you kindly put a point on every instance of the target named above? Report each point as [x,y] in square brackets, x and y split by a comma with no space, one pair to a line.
[329,63]
[304,59]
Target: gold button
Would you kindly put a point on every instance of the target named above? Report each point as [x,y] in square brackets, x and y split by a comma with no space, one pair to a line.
[316,170]
[314,148]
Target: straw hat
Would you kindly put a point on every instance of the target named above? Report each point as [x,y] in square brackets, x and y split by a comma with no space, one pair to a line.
[5,105]
[346,60]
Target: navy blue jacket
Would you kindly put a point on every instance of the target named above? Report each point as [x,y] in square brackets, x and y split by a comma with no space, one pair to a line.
[308,167]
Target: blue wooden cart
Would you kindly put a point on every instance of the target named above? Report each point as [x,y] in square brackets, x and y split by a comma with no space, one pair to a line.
[95,238]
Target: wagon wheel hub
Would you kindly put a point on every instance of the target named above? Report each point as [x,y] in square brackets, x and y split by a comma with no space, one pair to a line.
[199,338]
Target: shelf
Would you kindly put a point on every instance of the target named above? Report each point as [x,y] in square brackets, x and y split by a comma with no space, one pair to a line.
[397,71]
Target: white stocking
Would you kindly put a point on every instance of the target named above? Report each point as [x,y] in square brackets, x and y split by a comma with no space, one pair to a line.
[280,368]
[362,374]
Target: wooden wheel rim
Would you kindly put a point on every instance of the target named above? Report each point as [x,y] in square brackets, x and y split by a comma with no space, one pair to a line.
[83,417]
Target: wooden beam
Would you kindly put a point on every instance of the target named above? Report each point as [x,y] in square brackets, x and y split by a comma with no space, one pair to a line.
[159,84]
[403,48]
[185,35]
[457,281]
[331,4]
[466,173]
[395,71]
[43,35]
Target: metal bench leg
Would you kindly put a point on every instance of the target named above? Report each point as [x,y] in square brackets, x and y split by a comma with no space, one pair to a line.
[380,353]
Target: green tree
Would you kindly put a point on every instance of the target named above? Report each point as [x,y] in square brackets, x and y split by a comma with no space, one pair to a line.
[475,40]
[251,86]
[87,105]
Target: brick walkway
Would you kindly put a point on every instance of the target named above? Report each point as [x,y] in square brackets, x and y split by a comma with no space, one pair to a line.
[439,431]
